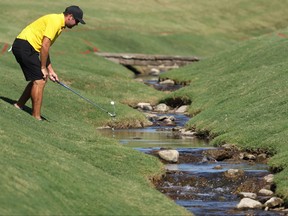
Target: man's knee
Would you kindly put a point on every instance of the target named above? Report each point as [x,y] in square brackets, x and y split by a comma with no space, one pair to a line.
[39,83]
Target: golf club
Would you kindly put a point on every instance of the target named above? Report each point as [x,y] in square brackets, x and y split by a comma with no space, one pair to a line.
[89,101]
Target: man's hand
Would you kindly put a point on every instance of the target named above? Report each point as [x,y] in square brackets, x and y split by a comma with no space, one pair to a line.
[44,72]
[53,76]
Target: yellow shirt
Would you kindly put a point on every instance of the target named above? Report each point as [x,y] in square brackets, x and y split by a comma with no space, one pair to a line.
[50,25]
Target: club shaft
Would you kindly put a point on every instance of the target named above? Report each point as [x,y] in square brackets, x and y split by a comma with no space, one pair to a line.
[86,99]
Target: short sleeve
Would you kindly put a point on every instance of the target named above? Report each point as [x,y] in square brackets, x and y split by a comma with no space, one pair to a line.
[51,30]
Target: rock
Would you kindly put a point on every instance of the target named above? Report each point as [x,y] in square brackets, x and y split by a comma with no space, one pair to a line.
[169,155]
[167,82]
[273,202]
[247,156]
[187,133]
[220,154]
[218,167]
[269,178]
[150,116]
[262,157]
[162,118]
[249,203]
[247,195]
[234,173]
[230,147]
[265,192]
[154,72]
[145,106]
[161,108]
[182,109]
[139,80]
[168,121]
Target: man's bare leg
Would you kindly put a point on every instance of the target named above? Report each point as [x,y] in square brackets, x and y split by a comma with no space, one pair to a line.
[25,96]
[37,96]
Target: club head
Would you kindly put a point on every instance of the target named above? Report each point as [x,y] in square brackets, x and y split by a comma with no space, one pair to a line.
[112,115]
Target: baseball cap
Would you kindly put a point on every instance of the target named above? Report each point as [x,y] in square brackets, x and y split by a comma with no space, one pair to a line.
[76,12]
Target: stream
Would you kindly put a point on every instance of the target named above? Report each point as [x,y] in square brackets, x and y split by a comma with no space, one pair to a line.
[196,181]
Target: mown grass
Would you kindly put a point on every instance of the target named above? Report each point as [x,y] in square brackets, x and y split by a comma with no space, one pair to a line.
[240,97]
[64,166]
[200,28]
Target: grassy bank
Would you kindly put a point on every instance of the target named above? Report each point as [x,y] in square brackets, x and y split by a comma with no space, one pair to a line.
[240,97]
[63,166]
[200,28]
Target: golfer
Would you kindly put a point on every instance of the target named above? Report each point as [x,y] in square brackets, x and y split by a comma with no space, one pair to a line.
[31,50]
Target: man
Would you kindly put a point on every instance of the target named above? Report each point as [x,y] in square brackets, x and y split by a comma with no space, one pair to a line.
[31,50]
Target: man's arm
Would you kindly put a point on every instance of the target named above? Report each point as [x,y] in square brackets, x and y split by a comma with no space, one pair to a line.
[44,53]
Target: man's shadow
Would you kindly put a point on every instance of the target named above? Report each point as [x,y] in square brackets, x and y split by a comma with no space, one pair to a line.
[25,108]
[12,102]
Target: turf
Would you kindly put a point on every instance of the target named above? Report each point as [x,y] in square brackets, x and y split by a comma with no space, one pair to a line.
[239,97]
[64,166]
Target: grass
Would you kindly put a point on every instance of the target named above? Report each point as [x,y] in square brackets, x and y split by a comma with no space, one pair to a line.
[240,97]
[201,28]
[66,167]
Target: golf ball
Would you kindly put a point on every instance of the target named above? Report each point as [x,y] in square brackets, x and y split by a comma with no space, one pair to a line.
[112,102]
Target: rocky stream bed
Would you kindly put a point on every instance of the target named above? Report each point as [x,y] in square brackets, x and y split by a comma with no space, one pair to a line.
[203,179]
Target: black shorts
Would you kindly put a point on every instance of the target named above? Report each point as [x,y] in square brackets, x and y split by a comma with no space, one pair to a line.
[28,59]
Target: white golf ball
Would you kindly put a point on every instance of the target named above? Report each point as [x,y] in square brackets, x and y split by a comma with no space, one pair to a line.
[112,102]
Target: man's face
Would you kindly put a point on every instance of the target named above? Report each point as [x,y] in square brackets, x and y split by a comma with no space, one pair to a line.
[71,22]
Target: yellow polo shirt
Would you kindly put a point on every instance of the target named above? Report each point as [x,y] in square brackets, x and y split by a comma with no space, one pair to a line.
[50,25]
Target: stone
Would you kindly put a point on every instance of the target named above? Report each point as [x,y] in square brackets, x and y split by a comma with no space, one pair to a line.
[167,82]
[248,195]
[262,157]
[247,156]
[162,118]
[169,155]
[145,106]
[265,192]
[249,203]
[218,167]
[168,121]
[269,178]
[220,154]
[273,202]
[161,108]
[154,72]
[187,132]
[150,116]
[182,109]
[234,173]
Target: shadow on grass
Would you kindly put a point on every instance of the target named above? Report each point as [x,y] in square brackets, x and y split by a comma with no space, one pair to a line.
[12,102]
[25,108]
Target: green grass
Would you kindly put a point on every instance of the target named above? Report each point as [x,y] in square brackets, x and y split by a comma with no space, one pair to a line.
[240,97]
[200,28]
[66,167]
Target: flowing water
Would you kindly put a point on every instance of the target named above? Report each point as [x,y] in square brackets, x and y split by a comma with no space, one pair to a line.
[195,185]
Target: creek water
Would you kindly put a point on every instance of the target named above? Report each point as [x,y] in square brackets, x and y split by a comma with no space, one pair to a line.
[195,185]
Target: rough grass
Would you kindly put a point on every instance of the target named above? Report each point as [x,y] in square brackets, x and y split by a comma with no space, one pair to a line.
[240,97]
